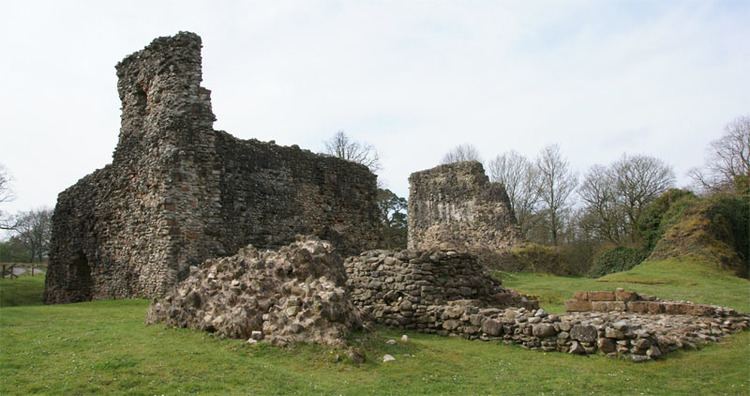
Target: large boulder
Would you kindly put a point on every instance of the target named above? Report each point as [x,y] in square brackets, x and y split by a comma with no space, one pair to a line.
[294,294]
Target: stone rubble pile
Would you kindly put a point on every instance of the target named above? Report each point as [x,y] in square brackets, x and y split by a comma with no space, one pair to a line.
[294,294]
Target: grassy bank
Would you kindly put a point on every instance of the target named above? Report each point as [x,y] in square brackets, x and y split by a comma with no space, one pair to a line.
[674,279]
[104,347]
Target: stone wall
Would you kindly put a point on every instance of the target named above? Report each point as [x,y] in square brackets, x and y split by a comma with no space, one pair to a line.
[179,192]
[627,301]
[456,206]
[448,293]
[411,289]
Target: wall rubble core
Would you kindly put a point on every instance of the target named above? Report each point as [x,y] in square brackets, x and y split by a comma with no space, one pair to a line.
[455,206]
[179,192]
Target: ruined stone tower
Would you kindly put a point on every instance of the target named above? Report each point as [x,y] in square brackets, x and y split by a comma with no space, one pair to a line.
[179,192]
[455,206]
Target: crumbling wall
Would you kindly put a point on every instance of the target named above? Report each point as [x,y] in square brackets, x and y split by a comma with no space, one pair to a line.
[179,192]
[456,206]
[294,294]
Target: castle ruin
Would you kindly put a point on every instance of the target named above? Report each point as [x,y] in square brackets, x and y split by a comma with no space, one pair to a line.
[179,192]
[455,206]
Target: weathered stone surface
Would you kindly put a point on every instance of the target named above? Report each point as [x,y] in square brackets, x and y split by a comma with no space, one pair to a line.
[601,296]
[576,348]
[492,327]
[622,300]
[455,206]
[606,345]
[295,294]
[611,332]
[577,306]
[607,306]
[543,330]
[624,295]
[583,333]
[439,288]
[179,192]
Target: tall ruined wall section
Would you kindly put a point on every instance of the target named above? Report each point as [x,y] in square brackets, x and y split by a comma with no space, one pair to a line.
[179,192]
[456,206]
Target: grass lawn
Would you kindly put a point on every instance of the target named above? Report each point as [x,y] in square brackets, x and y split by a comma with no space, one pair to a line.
[104,347]
[669,279]
[24,290]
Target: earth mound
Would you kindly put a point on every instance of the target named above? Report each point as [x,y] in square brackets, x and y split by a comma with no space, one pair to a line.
[294,294]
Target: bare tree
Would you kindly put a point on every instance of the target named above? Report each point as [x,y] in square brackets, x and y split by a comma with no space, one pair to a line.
[556,183]
[728,158]
[602,216]
[342,146]
[519,177]
[639,180]
[6,195]
[34,230]
[615,196]
[462,152]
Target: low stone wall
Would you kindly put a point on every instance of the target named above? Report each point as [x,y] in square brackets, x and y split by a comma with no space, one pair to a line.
[411,289]
[639,337]
[627,301]
[448,293]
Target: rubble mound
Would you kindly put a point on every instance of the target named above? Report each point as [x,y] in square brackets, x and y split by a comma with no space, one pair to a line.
[294,294]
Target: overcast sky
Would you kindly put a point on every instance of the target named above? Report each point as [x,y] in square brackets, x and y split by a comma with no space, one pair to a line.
[413,78]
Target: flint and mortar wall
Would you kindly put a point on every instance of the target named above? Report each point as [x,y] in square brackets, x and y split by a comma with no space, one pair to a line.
[179,192]
[456,206]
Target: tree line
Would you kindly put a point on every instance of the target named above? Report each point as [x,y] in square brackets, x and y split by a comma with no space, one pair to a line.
[555,206]
[30,231]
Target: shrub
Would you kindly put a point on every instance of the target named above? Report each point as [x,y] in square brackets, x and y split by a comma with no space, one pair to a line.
[729,217]
[661,214]
[618,259]
[714,229]
[532,257]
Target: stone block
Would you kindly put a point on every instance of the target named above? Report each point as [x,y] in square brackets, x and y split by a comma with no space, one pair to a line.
[637,306]
[577,306]
[701,310]
[492,327]
[584,333]
[606,345]
[543,330]
[601,296]
[581,296]
[608,306]
[678,308]
[451,324]
[655,307]
[624,295]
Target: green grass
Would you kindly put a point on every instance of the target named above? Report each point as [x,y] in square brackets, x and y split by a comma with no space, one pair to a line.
[103,347]
[24,290]
[674,279]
